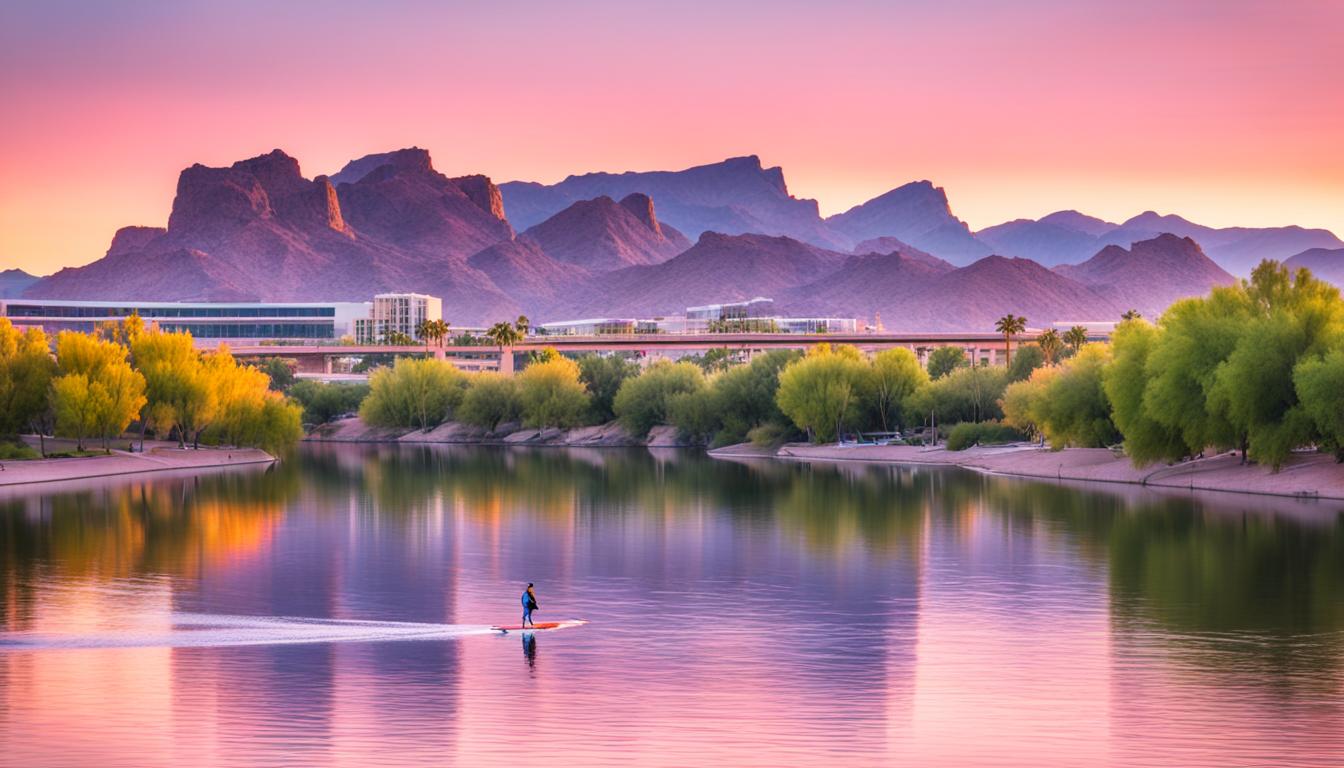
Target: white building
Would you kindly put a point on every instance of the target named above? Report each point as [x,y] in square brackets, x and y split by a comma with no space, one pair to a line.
[397,313]
[224,321]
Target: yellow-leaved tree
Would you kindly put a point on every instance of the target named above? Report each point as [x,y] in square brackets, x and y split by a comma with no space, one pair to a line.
[97,393]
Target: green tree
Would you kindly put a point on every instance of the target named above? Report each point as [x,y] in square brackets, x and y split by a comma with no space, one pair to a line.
[1146,439]
[1029,357]
[642,402]
[603,375]
[896,375]
[742,398]
[1025,402]
[1075,411]
[967,394]
[419,393]
[323,402]
[944,360]
[1319,381]
[1010,325]
[491,399]
[1131,314]
[551,395]
[822,392]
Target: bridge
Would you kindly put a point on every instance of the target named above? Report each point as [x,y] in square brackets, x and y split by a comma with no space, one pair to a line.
[318,358]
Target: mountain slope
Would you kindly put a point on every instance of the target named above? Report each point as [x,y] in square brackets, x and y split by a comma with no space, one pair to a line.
[1325,263]
[1130,278]
[916,213]
[259,230]
[717,268]
[602,235]
[734,196]
[1047,242]
[1236,249]
[13,282]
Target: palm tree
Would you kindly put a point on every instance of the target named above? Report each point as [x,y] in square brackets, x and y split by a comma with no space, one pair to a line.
[424,330]
[504,334]
[442,329]
[1076,337]
[1132,314]
[523,325]
[1010,325]
[1051,345]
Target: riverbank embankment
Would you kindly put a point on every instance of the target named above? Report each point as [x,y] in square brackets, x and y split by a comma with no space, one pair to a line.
[156,458]
[1304,475]
[610,435]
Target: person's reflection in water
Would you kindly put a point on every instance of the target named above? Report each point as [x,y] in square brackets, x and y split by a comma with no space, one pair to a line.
[530,649]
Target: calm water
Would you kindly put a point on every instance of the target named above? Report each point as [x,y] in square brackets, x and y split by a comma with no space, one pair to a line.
[332,611]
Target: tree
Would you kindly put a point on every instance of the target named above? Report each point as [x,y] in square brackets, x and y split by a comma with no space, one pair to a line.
[523,325]
[26,371]
[1319,381]
[97,394]
[642,402]
[279,371]
[715,359]
[179,395]
[944,360]
[1024,402]
[1293,316]
[322,402]
[603,376]
[424,330]
[821,392]
[1029,357]
[419,393]
[551,395]
[1146,439]
[1010,325]
[1051,346]
[896,374]
[491,399]
[1074,411]
[742,398]
[967,394]
[1076,337]
[1131,314]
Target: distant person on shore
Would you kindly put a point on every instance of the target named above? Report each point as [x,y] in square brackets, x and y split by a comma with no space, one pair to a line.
[529,605]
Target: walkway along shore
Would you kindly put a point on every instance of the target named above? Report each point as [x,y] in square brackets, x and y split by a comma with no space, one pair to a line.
[159,458]
[1305,475]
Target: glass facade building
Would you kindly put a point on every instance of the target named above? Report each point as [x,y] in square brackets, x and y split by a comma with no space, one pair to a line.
[204,320]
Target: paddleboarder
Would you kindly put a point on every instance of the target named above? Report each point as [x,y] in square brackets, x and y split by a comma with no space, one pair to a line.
[529,605]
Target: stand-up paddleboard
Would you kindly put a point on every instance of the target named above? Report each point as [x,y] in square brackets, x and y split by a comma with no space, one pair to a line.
[540,625]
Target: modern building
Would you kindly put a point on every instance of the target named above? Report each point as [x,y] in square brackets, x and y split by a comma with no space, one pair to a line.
[603,326]
[397,313]
[736,310]
[753,316]
[204,320]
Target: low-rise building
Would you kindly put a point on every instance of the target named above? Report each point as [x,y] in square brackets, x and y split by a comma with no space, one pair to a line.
[224,321]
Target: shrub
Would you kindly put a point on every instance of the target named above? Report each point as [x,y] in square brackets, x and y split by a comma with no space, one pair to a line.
[414,392]
[490,400]
[968,433]
[324,402]
[603,377]
[642,402]
[551,395]
[16,451]
[945,360]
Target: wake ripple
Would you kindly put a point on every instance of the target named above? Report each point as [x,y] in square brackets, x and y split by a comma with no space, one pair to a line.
[196,630]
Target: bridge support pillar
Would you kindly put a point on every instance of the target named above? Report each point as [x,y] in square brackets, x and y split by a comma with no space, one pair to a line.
[326,364]
[506,361]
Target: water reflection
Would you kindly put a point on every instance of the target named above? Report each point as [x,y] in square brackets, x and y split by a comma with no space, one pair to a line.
[742,612]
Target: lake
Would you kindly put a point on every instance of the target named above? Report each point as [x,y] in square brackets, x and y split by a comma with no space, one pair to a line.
[334,609]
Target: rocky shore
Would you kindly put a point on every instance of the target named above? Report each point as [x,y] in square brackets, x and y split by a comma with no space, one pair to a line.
[1305,475]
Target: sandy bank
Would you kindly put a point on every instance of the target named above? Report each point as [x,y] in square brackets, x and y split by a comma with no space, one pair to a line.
[602,436]
[159,458]
[1305,475]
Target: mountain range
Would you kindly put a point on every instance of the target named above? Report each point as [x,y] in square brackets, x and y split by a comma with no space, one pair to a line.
[650,243]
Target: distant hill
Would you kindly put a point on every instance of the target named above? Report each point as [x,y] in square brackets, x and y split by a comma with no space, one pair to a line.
[734,196]
[1127,277]
[13,282]
[1325,263]
[602,235]
[916,213]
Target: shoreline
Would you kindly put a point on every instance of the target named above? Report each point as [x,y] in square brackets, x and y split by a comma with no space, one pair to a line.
[1305,476]
[158,458]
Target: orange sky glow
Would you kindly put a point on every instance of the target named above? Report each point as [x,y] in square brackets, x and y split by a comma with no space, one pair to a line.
[1226,112]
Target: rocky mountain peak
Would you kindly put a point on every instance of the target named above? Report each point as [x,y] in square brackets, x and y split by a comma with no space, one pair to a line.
[641,205]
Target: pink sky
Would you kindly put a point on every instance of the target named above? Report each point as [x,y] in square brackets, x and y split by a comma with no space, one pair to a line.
[1225,111]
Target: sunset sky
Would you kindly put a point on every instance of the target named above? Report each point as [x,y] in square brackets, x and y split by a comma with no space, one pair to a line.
[1225,111]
